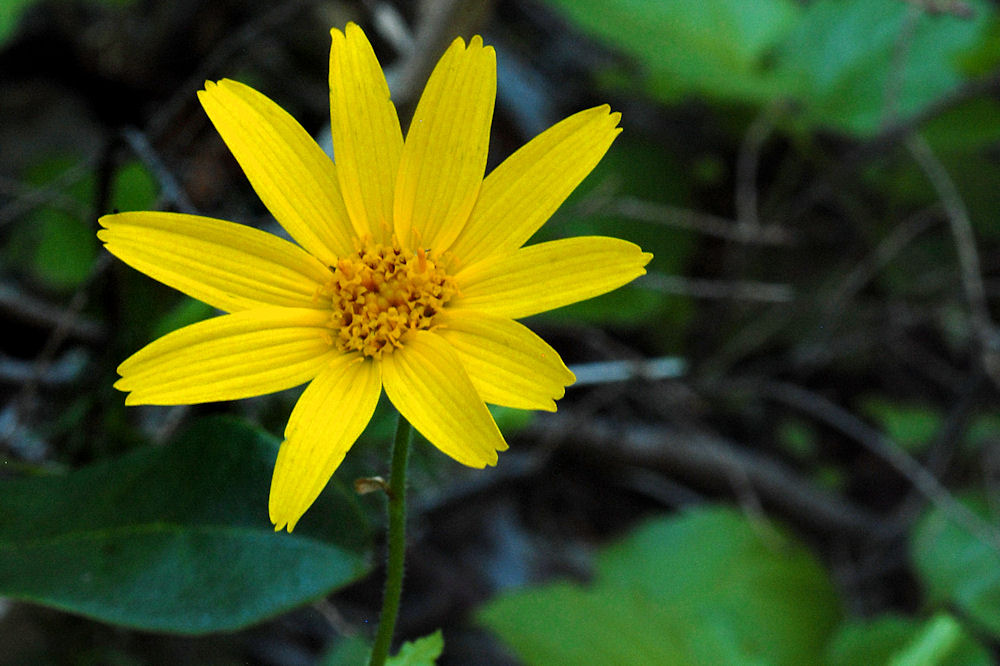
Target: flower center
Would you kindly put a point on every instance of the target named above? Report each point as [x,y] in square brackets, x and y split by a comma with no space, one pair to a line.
[382,292]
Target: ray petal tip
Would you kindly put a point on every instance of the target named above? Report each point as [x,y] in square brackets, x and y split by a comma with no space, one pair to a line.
[353,31]
[281,524]
[279,515]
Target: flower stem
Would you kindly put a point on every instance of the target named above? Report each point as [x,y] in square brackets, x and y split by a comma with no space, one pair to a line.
[397,543]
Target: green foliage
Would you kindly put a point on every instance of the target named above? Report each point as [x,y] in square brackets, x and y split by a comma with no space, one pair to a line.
[10,16]
[983,431]
[57,237]
[421,652]
[843,54]
[354,650]
[187,311]
[899,641]
[959,567]
[511,420]
[835,59]
[133,188]
[911,426]
[66,248]
[706,587]
[349,651]
[797,437]
[717,48]
[175,538]
[966,127]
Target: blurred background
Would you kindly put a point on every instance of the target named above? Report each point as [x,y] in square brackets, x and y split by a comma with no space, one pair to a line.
[784,443]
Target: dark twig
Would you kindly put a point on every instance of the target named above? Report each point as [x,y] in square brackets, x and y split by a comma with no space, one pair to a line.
[64,370]
[23,307]
[704,223]
[605,372]
[712,461]
[59,334]
[983,330]
[438,22]
[923,481]
[882,144]
[53,191]
[170,189]
[748,222]
[741,290]
[946,441]
[280,12]
[887,250]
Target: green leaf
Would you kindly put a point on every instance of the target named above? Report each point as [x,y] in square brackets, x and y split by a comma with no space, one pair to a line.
[715,48]
[983,431]
[66,250]
[175,538]
[348,651]
[966,127]
[59,233]
[187,311]
[10,16]
[421,652]
[958,567]
[933,643]
[133,188]
[912,426]
[511,420]
[985,58]
[798,438]
[706,587]
[897,640]
[842,55]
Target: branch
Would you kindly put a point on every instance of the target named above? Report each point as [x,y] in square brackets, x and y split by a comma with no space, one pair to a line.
[710,460]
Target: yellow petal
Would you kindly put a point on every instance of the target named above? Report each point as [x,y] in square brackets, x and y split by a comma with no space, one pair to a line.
[367,140]
[427,384]
[549,275]
[527,188]
[326,421]
[444,156]
[291,174]
[229,266]
[234,356]
[508,364]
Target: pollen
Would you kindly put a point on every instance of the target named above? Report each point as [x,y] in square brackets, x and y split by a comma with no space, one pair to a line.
[382,292]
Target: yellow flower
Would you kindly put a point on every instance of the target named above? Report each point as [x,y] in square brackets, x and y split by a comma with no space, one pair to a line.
[408,273]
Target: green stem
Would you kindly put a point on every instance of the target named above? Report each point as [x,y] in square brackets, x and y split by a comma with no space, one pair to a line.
[397,543]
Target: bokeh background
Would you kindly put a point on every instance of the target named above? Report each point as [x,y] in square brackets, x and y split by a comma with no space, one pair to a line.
[784,443]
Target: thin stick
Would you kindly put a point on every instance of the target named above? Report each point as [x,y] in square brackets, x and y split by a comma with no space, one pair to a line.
[961,231]
[923,481]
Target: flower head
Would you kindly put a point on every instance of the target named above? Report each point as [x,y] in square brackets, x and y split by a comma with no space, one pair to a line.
[408,272]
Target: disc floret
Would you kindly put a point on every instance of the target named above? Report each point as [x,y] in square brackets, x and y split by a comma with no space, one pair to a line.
[382,292]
